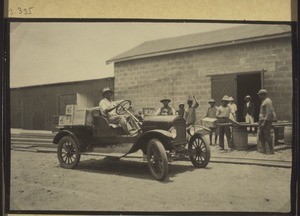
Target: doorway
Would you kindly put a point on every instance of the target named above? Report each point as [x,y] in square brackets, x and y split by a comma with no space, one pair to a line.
[248,84]
[238,85]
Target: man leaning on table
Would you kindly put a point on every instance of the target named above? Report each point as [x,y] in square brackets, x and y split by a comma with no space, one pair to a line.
[223,113]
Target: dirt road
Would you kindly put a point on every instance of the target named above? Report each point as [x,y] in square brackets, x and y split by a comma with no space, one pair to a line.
[39,183]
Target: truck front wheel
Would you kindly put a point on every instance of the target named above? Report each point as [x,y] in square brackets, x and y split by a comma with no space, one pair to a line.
[157,159]
[199,151]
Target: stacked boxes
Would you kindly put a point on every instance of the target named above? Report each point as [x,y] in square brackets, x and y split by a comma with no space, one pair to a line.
[83,117]
[70,109]
[75,116]
[65,120]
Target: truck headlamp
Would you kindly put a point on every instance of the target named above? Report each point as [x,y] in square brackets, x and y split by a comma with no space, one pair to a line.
[173,132]
[192,130]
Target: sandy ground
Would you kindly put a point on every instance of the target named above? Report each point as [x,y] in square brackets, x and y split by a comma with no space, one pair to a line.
[39,183]
[282,153]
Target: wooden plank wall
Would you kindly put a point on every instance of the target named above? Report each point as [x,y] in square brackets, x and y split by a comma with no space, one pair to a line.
[33,107]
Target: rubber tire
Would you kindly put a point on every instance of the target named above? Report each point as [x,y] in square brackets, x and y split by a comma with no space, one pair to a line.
[206,160]
[155,143]
[74,164]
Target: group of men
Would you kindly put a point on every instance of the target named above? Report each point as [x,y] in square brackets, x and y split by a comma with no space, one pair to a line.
[224,114]
[227,112]
[189,114]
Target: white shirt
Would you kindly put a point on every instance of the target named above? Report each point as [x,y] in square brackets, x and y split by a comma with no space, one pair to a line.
[106,104]
[233,107]
[223,111]
[165,111]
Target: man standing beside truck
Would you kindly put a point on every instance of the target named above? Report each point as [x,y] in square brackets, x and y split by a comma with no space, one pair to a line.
[190,112]
[166,109]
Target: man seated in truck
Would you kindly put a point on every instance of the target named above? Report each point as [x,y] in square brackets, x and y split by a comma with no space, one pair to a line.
[108,109]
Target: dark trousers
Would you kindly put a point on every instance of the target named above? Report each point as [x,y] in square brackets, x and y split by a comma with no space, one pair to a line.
[264,136]
[224,130]
[215,131]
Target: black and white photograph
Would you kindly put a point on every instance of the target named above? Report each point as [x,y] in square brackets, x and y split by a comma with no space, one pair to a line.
[150,116]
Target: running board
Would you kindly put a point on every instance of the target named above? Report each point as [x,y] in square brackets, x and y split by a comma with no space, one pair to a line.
[111,150]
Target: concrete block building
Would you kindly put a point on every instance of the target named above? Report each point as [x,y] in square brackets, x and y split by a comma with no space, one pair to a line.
[236,61]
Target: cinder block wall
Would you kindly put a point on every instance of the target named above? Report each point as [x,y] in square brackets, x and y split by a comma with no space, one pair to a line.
[145,81]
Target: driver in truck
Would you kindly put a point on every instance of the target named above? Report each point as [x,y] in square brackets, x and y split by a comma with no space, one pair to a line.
[108,109]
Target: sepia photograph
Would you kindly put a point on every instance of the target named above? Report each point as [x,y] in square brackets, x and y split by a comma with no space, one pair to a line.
[150,116]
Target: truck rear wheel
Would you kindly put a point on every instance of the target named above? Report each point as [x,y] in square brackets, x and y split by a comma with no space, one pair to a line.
[157,159]
[68,152]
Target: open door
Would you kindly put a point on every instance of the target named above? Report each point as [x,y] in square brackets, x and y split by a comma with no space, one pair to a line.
[248,84]
[238,86]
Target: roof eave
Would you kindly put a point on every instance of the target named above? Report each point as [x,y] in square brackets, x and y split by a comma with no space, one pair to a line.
[207,46]
[60,83]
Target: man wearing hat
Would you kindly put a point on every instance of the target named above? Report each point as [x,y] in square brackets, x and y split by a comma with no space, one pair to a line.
[222,115]
[248,111]
[108,109]
[166,109]
[190,111]
[211,113]
[266,116]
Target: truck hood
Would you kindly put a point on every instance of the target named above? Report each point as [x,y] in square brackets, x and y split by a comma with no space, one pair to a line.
[160,122]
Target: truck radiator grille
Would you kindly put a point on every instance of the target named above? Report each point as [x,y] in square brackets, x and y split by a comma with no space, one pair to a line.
[181,133]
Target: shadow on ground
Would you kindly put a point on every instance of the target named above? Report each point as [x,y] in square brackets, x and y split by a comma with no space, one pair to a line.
[134,169]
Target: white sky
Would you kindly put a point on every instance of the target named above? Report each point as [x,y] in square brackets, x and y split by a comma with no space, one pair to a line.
[43,53]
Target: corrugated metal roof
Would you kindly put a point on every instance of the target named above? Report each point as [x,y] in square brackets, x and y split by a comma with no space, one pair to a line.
[198,40]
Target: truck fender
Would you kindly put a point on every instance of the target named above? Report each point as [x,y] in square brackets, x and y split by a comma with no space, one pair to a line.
[199,129]
[64,133]
[141,143]
[76,137]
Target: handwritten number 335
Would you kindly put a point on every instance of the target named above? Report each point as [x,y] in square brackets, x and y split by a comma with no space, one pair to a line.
[21,11]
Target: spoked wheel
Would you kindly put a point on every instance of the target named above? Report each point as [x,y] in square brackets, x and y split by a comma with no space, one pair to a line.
[199,151]
[157,159]
[67,152]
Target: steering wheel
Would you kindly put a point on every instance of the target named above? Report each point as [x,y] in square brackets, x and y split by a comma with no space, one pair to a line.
[122,107]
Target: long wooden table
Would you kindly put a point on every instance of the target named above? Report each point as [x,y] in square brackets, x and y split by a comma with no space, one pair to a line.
[240,133]
[244,124]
